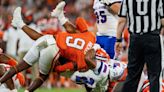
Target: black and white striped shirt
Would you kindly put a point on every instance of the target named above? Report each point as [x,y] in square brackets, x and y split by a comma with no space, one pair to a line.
[143,15]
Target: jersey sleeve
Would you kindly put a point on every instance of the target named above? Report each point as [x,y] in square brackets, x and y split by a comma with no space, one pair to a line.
[60,39]
[161,8]
[114,1]
[123,9]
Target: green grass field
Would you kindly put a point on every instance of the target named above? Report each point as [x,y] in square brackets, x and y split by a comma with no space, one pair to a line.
[57,90]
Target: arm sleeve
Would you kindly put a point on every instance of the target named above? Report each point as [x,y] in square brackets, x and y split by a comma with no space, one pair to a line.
[66,67]
[114,1]
[161,8]
[123,9]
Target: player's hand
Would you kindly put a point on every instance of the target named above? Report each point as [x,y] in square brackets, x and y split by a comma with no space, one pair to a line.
[106,2]
[118,47]
[58,10]
[21,78]
[17,18]
[90,58]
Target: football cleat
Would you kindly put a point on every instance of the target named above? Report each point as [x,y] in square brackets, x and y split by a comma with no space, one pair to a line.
[17,18]
[58,10]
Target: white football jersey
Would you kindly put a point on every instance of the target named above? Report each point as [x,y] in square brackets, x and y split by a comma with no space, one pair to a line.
[117,69]
[106,21]
[92,77]
[100,75]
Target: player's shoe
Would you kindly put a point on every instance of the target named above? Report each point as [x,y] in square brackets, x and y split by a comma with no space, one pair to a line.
[26,91]
[17,18]
[58,11]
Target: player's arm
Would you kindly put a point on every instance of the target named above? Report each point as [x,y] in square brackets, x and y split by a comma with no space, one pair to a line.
[91,55]
[7,60]
[90,58]
[31,33]
[70,28]
[112,7]
[69,66]
[18,22]
[162,31]
[64,64]
[120,28]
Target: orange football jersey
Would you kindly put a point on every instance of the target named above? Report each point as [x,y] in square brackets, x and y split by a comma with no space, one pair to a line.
[74,46]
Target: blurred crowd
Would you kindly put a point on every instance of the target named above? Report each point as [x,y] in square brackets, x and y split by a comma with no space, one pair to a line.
[36,14]
[16,43]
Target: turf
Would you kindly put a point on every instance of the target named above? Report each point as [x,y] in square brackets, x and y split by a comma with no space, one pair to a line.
[57,90]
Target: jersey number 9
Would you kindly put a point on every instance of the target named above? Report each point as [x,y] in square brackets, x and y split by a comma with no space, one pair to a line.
[77,43]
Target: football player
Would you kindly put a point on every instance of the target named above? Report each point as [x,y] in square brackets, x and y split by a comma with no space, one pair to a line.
[48,48]
[106,12]
[10,85]
[103,71]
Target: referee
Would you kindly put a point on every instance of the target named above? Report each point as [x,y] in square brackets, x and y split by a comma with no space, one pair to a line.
[145,19]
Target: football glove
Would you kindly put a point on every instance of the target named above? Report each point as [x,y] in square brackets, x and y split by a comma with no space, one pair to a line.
[21,78]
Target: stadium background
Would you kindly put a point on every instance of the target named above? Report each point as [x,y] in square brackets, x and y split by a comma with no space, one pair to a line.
[36,12]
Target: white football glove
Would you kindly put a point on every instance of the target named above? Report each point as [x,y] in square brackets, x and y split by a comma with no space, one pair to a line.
[17,18]
[59,13]
[107,2]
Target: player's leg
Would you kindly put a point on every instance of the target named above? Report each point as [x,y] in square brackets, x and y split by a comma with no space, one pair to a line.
[30,58]
[47,57]
[153,57]
[9,83]
[135,65]
[37,82]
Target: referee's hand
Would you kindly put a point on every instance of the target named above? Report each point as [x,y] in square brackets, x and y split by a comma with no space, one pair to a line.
[118,47]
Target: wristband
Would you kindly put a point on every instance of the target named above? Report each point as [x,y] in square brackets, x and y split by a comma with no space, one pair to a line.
[118,40]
